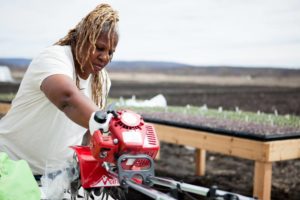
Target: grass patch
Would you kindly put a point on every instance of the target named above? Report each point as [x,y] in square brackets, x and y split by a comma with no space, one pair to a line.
[7,96]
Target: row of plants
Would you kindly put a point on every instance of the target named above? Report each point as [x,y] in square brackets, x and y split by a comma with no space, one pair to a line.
[6,96]
[273,119]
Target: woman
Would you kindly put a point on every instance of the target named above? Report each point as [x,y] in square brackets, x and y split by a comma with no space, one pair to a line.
[61,89]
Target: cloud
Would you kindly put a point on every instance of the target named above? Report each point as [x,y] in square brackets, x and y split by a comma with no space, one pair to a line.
[208,32]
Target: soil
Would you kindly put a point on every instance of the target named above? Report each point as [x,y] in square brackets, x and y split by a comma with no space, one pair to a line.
[228,173]
[240,128]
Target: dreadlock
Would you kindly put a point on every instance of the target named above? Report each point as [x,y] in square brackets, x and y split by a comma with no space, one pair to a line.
[82,39]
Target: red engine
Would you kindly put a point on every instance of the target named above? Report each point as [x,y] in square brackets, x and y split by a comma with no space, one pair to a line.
[121,153]
[127,134]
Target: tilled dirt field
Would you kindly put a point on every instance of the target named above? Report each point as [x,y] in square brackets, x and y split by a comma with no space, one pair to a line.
[248,98]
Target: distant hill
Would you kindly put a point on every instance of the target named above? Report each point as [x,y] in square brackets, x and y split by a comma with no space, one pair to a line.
[186,70]
[172,68]
[116,65]
[144,65]
[15,63]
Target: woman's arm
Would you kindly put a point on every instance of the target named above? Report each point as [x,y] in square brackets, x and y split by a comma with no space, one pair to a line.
[63,93]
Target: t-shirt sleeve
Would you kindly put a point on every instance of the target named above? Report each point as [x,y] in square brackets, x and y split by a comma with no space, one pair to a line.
[53,60]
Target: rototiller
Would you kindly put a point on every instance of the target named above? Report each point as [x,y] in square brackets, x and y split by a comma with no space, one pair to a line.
[120,157]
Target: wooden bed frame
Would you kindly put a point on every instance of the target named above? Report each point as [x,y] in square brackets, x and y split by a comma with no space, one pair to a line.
[4,107]
[262,153]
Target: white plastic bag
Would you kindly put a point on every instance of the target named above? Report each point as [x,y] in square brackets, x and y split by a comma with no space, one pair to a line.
[156,101]
[56,181]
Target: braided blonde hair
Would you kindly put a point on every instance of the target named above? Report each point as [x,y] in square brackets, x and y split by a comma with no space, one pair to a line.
[82,39]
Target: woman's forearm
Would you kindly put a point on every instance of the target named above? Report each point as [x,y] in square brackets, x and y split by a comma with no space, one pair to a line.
[64,94]
[78,108]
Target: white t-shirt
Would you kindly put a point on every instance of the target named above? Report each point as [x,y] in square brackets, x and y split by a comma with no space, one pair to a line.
[34,129]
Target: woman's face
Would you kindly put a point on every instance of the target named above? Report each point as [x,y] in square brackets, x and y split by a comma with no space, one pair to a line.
[102,55]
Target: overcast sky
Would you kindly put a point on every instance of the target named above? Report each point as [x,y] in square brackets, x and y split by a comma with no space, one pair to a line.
[199,32]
